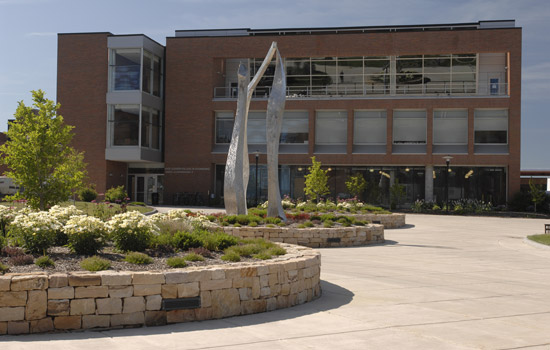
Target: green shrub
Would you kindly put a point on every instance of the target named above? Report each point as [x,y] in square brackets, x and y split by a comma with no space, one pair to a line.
[281,224]
[132,231]
[176,262]
[359,223]
[237,224]
[253,224]
[225,223]
[262,256]
[231,256]
[3,268]
[87,194]
[277,250]
[269,225]
[308,224]
[328,217]
[44,261]
[185,240]
[95,263]
[3,242]
[327,224]
[85,234]
[302,226]
[315,217]
[138,258]
[270,220]
[193,257]
[258,212]
[115,194]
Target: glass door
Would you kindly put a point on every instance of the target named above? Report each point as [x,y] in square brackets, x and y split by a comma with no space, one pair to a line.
[149,189]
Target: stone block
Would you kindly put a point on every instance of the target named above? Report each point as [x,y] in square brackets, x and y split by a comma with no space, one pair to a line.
[58,280]
[153,302]
[285,289]
[256,288]
[110,278]
[83,280]
[61,293]
[3,328]
[12,313]
[96,321]
[179,316]
[42,326]
[282,301]
[121,291]
[302,297]
[37,305]
[265,291]
[253,306]
[204,313]
[109,306]
[225,303]
[246,282]
[206,299]
[58,307]
[67,322]
[245,293]
[169,291]
[186,290]
[273,279]
[249,272]
[133,305]
[5,282]
[271,304]
[82,307]
[28,282]
[155,318]
[133,318]
[262,270]
[148,278]
[216,284]
[91,292]
[147,289]
[13,299]
[18,327]
[176,277]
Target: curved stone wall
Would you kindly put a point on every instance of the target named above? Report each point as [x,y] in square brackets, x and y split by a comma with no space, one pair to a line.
[394,220]
[35,303]
[314,237]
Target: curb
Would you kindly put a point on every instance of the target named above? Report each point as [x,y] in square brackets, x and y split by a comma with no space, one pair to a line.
[536,245]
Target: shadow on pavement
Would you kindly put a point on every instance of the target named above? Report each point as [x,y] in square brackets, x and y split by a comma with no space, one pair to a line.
[332,297]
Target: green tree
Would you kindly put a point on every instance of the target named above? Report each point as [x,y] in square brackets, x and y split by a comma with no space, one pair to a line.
[537,195]
[397,192]
[316,181]
[38,154]
[356,184]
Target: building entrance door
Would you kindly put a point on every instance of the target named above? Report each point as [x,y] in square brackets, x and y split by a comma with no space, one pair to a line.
[149,189]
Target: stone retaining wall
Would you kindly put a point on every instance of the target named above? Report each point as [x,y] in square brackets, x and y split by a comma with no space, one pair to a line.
[35,303]
[314,237]
[394,220]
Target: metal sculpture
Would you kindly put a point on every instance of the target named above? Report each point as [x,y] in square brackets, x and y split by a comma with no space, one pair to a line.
[237,165]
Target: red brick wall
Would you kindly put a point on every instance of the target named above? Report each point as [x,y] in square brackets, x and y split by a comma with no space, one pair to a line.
[192,66]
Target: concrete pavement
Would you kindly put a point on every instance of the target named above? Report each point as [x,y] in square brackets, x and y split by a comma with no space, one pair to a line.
[442,282]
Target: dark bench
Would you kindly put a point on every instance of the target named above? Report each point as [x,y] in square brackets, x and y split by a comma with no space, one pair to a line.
[546,228]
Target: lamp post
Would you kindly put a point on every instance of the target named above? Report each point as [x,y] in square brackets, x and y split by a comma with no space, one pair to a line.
[448,162]
[257,155]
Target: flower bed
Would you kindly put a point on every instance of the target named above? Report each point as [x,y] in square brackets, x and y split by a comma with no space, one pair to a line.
[36,303]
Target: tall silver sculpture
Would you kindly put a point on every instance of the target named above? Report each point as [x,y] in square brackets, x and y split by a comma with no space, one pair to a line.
[237,166]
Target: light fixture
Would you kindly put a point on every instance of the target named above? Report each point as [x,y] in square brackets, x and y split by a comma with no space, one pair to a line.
[371,170]
[450,170]
[433,174]
[385,174]
[468,174]
[329,169]
[300,169]
[407,169]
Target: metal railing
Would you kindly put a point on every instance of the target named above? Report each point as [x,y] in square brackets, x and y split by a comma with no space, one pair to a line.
[465,88]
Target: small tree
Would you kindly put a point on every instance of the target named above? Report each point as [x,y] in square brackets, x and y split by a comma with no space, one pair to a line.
[316,181]
[537,195]
[38,154]
[397,192]
[356,184]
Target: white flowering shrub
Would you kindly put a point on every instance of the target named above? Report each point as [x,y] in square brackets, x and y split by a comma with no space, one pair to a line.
[7,214]
[287,203]
[85,234]
[63,214]
[264,205]
[183,218]
[35,231]
[131,231]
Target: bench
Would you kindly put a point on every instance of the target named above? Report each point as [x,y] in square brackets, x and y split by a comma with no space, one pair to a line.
[546,228]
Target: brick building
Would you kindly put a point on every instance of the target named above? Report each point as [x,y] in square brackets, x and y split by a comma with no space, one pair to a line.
[387,102]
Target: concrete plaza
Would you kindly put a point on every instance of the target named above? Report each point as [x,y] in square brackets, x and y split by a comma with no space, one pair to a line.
[441,282]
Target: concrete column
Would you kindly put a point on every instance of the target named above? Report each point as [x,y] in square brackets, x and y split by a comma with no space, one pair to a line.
[392,75]
[429,183]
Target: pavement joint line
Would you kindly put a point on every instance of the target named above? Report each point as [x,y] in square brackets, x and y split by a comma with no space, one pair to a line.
[368,330]
[525,347]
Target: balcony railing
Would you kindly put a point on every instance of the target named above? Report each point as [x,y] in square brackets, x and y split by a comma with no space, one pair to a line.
[429,89]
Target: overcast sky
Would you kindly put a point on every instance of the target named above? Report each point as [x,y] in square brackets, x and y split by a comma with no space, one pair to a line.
[29,38]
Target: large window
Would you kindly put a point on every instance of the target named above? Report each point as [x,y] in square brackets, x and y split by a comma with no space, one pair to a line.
[491,126]
[409,126]
[150,128]
[224,127]
[369,127]
[125,65]
[125,125]
[255,129]
[450,127]
[295,127]
[331,128]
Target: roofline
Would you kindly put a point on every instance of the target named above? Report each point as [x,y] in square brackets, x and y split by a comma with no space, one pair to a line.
[146,36]
[85,33]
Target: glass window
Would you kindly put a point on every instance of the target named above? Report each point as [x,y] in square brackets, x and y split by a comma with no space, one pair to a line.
[150,128]
[437,65]
[369,127]
[146,83]
[295,127]
[126,65]
[145,128]
[156,129]
[297,66]
[409,65]
[255,128]
[224,127]
[331,128]
[409,126]
[450,126]
[157,72]
[125,125]
[491,126]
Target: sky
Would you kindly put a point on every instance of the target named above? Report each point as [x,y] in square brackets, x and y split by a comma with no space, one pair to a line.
[29,38]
